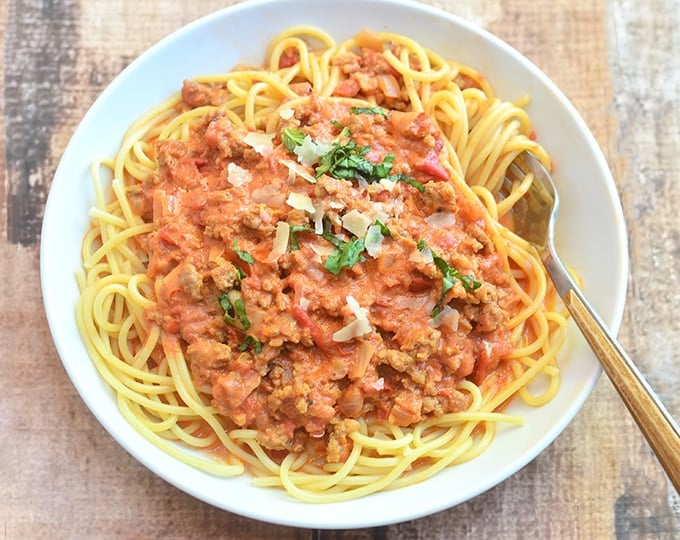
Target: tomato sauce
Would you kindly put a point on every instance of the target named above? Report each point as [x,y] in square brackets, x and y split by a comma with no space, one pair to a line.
[297,343]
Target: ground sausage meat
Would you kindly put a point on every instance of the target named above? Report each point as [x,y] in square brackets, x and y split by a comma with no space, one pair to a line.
[307,291]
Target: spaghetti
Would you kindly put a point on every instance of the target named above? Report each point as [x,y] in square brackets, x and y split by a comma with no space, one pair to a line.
[308,270]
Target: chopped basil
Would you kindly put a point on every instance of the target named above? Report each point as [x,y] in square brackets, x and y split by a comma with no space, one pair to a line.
[294,244]
[347,161]
[240,274]
[384,230]
[292,138]
[369,110]
[409,180]
[251,342]
[346,254]
[449,277]
[234,309]
[243,255]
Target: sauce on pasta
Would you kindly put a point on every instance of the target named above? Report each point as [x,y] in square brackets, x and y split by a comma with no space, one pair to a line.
[303,268]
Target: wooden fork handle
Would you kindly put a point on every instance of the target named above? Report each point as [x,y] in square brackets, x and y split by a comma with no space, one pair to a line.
[655,422]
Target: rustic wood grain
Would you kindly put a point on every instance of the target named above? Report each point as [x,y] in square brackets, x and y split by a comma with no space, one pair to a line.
[63,476]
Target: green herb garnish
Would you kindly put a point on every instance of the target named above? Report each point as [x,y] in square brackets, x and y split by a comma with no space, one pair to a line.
[369,110]
[347,161]
[292,138]
[401,177]
[243,255]
[240,274]
[384,230]
[449,277]
[234,309]
[251,342]
[293,241]
[346,254]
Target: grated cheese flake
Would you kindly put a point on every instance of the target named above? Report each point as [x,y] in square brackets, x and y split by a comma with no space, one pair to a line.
[297,169]
[356,328]
[300,201]
[260,142]
[356,223]
[373,242]
[309,151]
[318,219]
[281,237]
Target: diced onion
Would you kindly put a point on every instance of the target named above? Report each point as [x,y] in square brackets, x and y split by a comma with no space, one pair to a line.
[260,142]
[297,169]
[300,201]
[448,317]
[238,176]
[441,219]
[269,195]
[356,223]
[389,85]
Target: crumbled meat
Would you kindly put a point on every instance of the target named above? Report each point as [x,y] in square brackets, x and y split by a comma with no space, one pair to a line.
[275,364]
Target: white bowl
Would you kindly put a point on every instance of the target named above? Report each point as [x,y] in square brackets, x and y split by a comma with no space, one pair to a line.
[591,238]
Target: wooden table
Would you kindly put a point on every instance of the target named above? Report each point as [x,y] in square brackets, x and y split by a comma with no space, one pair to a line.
[62,476]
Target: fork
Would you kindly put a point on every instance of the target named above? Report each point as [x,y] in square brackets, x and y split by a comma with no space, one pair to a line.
[535,222]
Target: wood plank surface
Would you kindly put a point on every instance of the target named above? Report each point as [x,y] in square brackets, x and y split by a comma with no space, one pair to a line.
[63,476]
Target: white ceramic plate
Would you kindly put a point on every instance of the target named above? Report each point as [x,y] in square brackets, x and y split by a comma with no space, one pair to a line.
[591,237]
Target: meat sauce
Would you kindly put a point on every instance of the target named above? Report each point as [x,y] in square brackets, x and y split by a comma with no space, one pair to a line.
[263,329]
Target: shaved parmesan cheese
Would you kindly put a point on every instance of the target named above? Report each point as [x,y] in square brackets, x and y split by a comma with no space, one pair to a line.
[388,184]
[358,327]
[373,242]
[280,240]
[301,201]
[357,310]
[324,250]
[260,142]
[237,176]
[318,219]
[286,114]
[355,329]
[309,151]
[297,169]
[441,219]
[356,223]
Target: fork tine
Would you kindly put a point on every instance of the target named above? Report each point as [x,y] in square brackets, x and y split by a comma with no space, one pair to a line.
[535,212]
